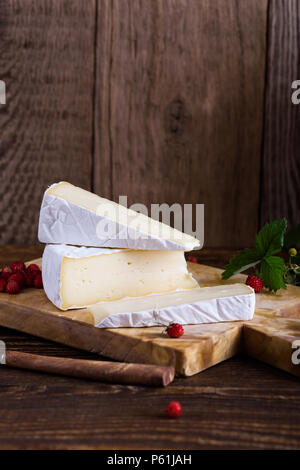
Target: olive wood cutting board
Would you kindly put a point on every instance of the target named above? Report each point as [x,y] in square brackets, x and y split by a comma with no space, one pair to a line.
[269,337]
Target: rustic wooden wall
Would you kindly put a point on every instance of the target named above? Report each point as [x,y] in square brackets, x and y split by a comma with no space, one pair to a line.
[47,62]
[179,101]
[161,100]
[281,157]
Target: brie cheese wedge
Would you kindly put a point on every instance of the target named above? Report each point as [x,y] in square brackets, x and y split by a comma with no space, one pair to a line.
[76,277]
[202,305]
[70,215]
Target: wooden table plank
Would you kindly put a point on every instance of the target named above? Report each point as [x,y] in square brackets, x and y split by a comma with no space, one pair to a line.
[241,403]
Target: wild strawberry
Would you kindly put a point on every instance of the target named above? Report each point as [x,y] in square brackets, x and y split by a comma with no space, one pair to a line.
[38,281]
[33,268]
[192,259]
[17,267]
[173,410]
[19,277]
[29,278]
[2,285]
[175,330]
[6,272]
[12,287]
[255,282]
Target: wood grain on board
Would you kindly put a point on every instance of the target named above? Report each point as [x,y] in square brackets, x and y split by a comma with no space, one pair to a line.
[280,195]
[46,61]
[179,108]
[268,336]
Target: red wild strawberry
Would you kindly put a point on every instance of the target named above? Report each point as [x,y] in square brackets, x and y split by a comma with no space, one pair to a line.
[175,330]
[6,272]
[255,282]
[192,259]
[29,278]
[38,281]
[173,409]
[2,285]
[19,277]
[17,267]
[12,287]
[33,268]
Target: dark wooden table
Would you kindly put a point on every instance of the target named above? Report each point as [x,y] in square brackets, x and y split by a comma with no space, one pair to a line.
[239,404]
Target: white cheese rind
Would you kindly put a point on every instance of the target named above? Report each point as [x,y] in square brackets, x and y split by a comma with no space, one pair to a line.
[228,306]
[63,222]
[51,266]
[76,277]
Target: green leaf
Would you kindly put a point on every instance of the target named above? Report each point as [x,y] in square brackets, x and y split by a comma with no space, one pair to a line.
[242,261]
[272,270]
[292,238]
[270,239]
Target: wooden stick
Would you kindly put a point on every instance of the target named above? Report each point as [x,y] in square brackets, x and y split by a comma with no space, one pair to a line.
[104,371]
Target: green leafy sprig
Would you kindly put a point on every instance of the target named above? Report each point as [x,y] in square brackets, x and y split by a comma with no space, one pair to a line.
[269,241]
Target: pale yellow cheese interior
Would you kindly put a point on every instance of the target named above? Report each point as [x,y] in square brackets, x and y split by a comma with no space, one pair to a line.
[159,301]
[127,273]
[120,214]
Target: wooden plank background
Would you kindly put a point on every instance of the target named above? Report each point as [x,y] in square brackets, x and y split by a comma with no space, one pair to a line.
[47,62]
[281,164]
[162,101]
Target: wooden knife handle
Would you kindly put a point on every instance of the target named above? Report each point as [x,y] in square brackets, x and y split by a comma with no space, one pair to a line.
[104,371]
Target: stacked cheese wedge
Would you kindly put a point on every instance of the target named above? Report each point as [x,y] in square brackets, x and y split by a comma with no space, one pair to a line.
[127,268]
